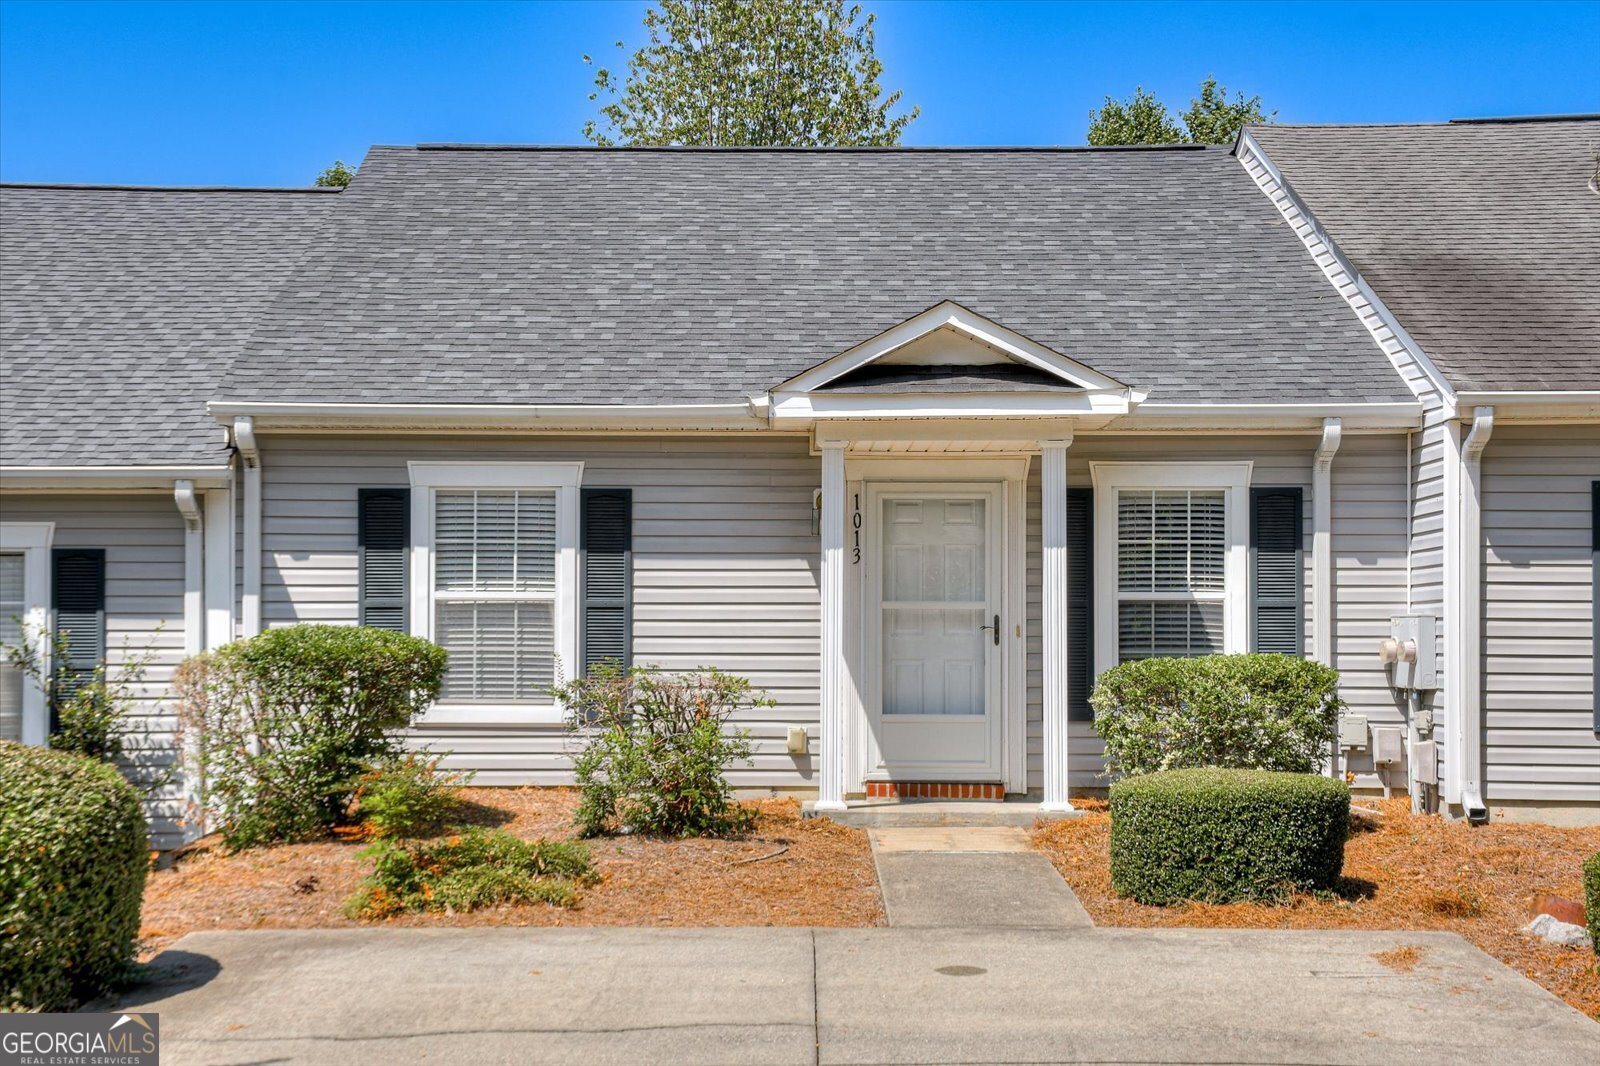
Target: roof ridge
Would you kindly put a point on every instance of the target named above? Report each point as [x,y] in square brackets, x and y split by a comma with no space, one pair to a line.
[1509,120]
[457,146]
[110,187]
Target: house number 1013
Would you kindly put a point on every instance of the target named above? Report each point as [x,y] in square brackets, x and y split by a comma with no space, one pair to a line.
[855,528]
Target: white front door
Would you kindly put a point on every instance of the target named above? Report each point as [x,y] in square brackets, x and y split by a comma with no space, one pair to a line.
[934,594]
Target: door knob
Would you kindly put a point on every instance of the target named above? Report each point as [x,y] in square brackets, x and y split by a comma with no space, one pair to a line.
[994,628]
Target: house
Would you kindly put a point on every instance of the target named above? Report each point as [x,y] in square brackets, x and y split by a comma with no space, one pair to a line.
[918,440]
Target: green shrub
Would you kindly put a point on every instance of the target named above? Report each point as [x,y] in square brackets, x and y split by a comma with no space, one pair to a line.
[1245,712]
[653,747]
[279,727]
[408,796]
[1591,899]
[479,868]
[1223,835]
[73,859]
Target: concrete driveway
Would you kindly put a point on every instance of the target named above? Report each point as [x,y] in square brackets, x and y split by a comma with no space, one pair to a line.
[630,996]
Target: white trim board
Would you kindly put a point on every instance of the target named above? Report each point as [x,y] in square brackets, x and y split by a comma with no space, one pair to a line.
[33,541]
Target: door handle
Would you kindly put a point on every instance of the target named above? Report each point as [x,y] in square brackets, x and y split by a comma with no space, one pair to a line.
[995,628]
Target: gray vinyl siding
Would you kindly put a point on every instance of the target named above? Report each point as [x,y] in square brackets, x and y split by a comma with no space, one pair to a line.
[1538,604]
[725,568]
[142,535]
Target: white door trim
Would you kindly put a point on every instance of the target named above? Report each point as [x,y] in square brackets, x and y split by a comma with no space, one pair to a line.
[1010,476]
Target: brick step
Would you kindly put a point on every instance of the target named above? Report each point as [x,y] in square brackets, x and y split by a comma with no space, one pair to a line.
[943,790]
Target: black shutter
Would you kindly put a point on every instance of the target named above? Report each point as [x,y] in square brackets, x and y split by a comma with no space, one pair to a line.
[1080,604]
[1277,571]
[383,535]
[78,604]
[606,562]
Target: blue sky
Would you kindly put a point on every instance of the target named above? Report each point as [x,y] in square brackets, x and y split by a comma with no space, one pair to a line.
[269,93]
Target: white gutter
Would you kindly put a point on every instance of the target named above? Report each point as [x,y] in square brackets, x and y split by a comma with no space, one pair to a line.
[1322,553]
[244,438]
[107,478]
[1396,416]
[1469,701]
[447,416]
[1580,405]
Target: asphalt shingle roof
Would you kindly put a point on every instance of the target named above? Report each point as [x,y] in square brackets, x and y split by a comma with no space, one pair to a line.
[1482,237]
[120,310]
[692,276]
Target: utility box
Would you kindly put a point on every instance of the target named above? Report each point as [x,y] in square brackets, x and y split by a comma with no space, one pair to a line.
[1352,731]
[1427,756]
[797,743]
[1411,653]
[1388,746]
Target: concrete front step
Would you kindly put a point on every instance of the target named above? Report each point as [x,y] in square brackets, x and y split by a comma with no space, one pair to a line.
[886,814]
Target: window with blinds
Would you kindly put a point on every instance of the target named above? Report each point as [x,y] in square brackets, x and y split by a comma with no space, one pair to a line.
[494,576]
[1171,572]
[12,607]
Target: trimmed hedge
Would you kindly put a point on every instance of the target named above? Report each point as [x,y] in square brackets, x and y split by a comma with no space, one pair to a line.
[1219,836]
[1591,899]
[73,860]
[1247,712]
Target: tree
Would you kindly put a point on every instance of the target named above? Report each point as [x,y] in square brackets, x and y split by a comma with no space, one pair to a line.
[1212,119]
[336,176]
[1140,120]
[750,72]
[1143,119]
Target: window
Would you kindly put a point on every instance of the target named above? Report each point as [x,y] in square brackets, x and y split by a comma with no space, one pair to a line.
[1171,560]
[24,605]
[495,578]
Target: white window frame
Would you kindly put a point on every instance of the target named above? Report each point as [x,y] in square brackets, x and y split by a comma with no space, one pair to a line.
[33,540]
[1233,480]
[564,479]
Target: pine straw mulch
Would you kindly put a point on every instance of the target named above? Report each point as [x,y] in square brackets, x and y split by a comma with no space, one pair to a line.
[1402,871]
[823,876]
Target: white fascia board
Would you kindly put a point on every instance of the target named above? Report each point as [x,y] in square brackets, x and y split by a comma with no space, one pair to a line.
[1529,405]
[1265,417]
[951,315]
[479,416]
[793,408]
[1373,313]
[108,478]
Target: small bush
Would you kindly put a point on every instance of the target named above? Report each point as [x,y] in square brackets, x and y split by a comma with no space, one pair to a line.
[653,748]
[279,727]
[479,868]
[408,796]
[1591,899]
[1218,836]
[73,861]
[1245,712]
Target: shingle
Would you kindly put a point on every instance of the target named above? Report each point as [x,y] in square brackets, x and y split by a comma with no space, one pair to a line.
[120,310]
[692,276]
[1482,237]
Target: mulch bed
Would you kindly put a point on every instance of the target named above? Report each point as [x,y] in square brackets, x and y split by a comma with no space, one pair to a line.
[1401,872]
[805,872]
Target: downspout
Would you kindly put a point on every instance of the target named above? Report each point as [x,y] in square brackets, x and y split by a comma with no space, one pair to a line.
[1470,696]
[1322,556]
[244,438]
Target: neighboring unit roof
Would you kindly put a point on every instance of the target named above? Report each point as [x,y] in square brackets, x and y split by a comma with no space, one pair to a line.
[588,276]
[1482,237]
[121,308]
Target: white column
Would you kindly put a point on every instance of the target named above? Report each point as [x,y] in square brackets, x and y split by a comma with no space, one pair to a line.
[193,566]
[1322,541]
[831,774]
[250,597]
[1053,501]
[219,567]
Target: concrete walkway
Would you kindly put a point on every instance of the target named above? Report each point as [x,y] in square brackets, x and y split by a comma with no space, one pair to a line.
[986,878]
[637,996]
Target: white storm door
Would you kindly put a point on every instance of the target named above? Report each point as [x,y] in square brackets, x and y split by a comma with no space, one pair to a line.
[934,603]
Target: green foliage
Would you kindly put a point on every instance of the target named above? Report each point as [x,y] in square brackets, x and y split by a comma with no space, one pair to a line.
[336,176]
[1214,119]
[1591,899]
[479,868]
[1142,119]
[279,727]
[653,748]
[750,72]
[1245,712]
[73,861]
[408,796]
[1224,835]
